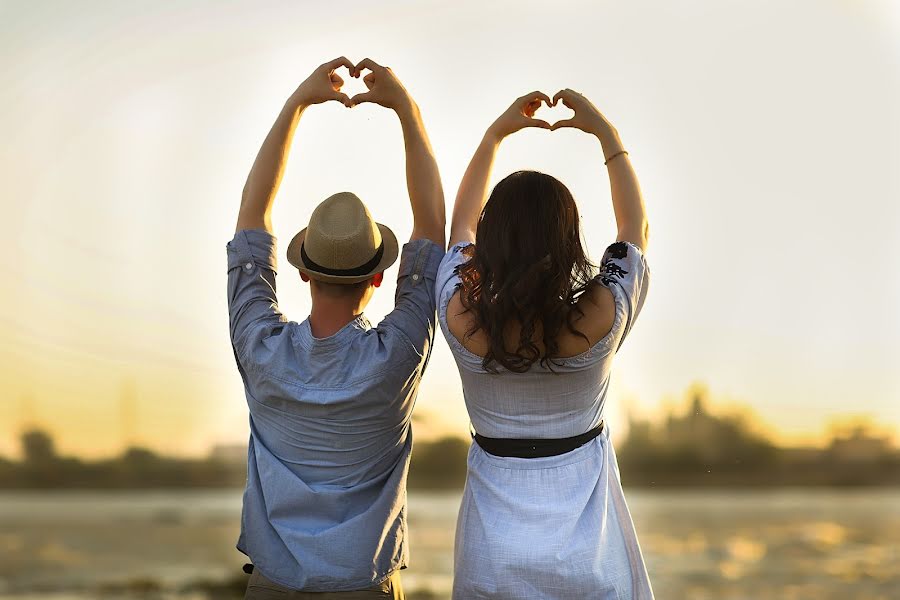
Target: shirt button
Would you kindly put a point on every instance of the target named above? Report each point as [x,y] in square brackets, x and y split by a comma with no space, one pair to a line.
[248,266]
[415,277]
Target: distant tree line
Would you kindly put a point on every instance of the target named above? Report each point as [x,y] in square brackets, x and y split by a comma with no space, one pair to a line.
[693,449]
[702,449]
[42,468]
[436,465]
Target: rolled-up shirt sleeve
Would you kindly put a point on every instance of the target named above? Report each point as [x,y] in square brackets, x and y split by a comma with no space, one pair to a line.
[252,302]
[414,304]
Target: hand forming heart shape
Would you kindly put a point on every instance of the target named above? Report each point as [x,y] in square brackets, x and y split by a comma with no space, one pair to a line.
[325,84]
[386,90]
[554,113]
[521,114]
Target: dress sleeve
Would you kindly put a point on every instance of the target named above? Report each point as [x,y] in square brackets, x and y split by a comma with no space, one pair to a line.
[447,277]
[624,271]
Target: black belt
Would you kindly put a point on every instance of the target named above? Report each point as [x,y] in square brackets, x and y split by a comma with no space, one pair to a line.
[536,448]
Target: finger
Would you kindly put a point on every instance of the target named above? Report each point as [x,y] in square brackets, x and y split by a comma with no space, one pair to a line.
[536,96]
[545,98]
[563,123]
[343,61]
[336,82]
[565,95]
[573,98]
[367,63]
[363,98]
[560,95]
[534,102]
[369,80]
[539,124]
[343,99]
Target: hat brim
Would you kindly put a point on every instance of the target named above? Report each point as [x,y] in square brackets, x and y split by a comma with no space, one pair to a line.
[391,251]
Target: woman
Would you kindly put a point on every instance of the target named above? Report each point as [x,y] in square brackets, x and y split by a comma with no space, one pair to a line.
[533,332]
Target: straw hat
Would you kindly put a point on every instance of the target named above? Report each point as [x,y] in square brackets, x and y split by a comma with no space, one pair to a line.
[342,243]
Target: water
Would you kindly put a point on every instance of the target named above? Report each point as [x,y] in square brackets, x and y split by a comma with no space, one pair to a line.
[804,543]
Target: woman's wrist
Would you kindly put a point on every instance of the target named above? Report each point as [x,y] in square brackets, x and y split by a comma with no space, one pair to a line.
[493,135]
[406,108]
[295,105]
[609,139]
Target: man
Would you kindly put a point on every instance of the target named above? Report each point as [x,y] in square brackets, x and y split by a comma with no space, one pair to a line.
[330,398]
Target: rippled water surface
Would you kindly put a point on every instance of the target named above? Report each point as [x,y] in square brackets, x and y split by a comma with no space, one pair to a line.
[809,543]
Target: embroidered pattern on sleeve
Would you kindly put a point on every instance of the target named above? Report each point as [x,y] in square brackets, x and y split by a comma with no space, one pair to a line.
[610,271]
[618,250]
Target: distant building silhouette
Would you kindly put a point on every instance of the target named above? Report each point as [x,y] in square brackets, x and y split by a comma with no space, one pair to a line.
[38,447]
[698,447]
[859,446]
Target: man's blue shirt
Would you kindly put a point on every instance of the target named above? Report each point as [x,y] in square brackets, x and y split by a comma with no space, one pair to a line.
[325,503]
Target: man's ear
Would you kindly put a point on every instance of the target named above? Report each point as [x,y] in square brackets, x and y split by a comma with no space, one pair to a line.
[304,277]
[377,278]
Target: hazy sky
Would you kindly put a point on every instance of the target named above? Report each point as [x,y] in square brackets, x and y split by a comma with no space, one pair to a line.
[766,135]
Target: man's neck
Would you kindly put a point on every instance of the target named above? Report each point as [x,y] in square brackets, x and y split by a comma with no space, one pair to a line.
[329,316]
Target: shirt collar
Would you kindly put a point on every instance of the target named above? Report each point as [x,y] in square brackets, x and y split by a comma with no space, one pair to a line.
[360,323]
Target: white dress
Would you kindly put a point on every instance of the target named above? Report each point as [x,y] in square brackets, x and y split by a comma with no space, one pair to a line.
[558,527]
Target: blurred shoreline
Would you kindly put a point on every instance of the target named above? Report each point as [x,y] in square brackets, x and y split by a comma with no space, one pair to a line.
[701,543]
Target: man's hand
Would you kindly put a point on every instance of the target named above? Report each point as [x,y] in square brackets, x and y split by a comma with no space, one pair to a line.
[426,195]
[520,115]
[627,200]
[323,85]
[268,168]
[384,87]
[473,188]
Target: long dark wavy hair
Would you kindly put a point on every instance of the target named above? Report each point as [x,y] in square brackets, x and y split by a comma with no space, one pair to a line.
[527,268]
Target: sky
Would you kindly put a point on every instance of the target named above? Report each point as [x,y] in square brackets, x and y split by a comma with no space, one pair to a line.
[765,134]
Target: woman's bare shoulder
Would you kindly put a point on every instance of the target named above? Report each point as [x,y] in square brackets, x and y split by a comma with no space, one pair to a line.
[460,322]
[598,307]
[598,314]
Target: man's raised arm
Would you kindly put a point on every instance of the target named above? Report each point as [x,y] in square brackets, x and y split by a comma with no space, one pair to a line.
[423,180]
[268,168]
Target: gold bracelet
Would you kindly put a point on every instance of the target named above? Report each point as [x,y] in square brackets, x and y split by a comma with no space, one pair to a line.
[606,162]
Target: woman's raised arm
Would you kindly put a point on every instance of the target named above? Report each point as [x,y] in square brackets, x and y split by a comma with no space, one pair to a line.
[472,192]
[628,203]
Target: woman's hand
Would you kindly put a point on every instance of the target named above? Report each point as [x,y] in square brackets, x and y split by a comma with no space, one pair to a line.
[587,118]
[628,203]
[473,188]
[520,115]
[323,85]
